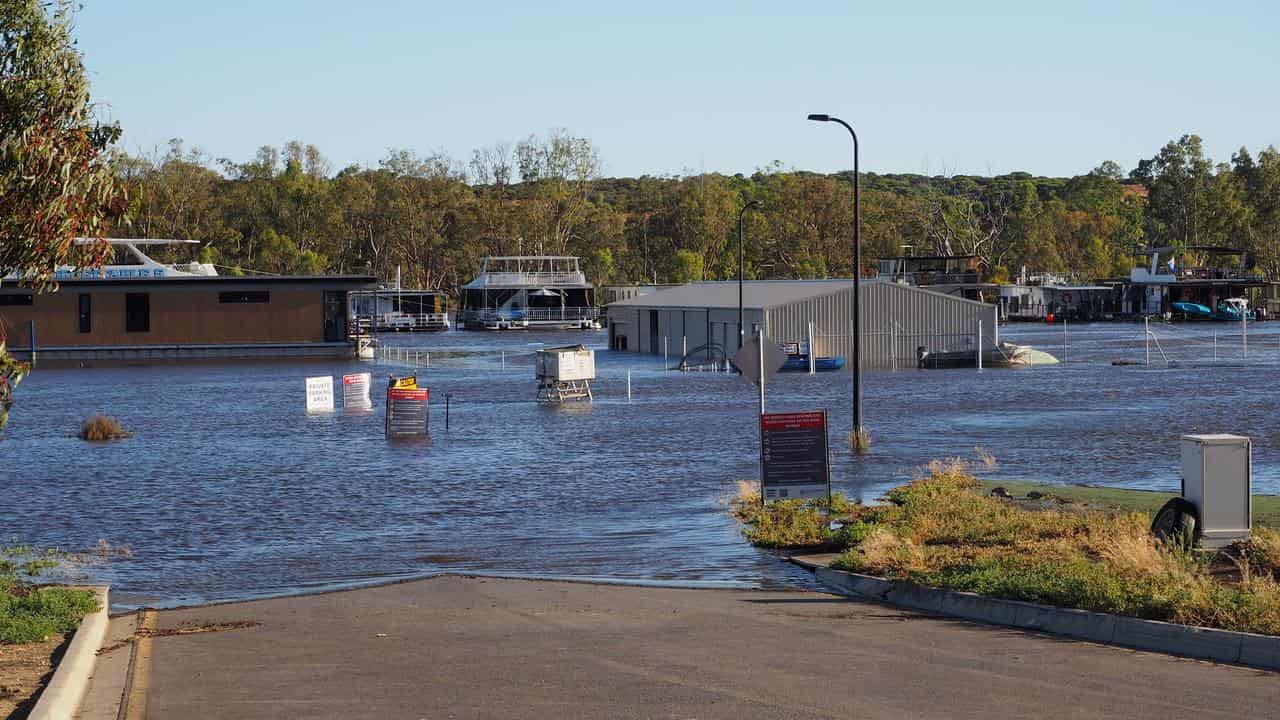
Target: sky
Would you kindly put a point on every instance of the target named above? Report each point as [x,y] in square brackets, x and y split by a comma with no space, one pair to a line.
[670,88]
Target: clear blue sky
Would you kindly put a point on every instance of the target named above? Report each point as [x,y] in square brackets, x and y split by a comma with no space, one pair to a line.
[669,87]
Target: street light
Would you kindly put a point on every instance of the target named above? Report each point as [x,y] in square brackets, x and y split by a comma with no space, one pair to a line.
[754,204]
[859,437]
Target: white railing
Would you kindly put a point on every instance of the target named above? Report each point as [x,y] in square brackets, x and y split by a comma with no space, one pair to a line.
[532,278]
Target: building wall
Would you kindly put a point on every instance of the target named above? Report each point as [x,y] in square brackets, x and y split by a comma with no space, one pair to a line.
[179,316]
[896,320]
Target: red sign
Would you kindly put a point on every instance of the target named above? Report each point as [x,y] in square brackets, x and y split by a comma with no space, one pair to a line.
[354,379]
[793,456]
[407,394]
[794,421]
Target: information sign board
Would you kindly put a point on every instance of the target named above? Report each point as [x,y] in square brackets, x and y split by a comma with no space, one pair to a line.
[793,455]
[355,391]
[320,394]
[407,412]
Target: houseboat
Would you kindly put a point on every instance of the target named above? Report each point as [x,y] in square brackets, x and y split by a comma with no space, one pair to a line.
[396,310]
[529,291]
[1177,278]
[136,308]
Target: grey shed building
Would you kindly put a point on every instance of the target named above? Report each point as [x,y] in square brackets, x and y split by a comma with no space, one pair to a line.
[701,320]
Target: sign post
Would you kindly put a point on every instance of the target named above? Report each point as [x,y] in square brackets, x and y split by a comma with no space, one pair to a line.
[793,456]
[320,394]
[407,411]
[355,391]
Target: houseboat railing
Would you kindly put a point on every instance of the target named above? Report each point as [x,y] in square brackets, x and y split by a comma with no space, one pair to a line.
[533,278]
[400,321]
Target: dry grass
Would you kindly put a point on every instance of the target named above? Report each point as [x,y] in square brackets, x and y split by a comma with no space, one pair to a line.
[943,530]
[101,428]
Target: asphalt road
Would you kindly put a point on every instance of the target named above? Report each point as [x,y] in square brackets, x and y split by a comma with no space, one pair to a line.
[454,647]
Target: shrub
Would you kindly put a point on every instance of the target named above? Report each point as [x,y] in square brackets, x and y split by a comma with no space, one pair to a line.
[100,428]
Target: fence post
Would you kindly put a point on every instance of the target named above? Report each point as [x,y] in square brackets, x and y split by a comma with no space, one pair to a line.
[1215,347]
[1065,342]
[1146,338]
[1244,336]
[812,352]
[666,363]
[504,359]
[628,386]
[893,345]
[979,345]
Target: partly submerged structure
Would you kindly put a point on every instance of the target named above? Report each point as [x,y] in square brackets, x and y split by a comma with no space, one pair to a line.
[136,308]
[1197,274]
[396,310]
[699,321]
[526,291]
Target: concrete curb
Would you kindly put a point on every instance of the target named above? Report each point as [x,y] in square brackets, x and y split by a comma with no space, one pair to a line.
[1238,648]
[61,697]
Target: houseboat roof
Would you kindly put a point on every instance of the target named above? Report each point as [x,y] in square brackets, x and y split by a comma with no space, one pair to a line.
[188,281]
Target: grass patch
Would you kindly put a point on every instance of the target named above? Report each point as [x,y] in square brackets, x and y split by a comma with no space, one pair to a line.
[101,428]
[946,529]
[31,612]
[1266,508]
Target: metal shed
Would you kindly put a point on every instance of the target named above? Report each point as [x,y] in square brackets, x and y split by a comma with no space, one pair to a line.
[896,319]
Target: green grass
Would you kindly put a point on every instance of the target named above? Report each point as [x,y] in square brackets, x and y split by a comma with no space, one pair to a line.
[31,612]
[1094,552]
[1266,508]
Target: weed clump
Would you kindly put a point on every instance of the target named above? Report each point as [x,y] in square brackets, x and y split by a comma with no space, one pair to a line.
[101,428]
[30,612]
[943,530]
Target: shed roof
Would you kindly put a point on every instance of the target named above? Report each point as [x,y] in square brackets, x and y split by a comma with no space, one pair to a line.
[756,294]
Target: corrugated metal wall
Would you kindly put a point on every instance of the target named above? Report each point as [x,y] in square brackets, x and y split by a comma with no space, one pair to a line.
[896,319]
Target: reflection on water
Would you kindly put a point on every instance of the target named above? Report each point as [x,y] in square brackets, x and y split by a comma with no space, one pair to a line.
[230,490]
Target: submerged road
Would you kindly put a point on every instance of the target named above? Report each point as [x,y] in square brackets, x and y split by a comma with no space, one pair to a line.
[454,647]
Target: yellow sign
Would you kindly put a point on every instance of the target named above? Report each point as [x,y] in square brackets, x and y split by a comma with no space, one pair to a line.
[406,383]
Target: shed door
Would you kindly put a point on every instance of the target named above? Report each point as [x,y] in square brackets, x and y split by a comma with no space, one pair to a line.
[653,332]
[335,316]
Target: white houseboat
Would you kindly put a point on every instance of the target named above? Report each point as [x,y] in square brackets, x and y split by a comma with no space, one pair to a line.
[515,292]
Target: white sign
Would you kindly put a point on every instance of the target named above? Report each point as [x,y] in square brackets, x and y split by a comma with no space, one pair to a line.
[320,394]
[748,360]
[355,391]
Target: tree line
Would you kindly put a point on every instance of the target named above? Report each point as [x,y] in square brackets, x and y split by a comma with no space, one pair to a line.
[286,211]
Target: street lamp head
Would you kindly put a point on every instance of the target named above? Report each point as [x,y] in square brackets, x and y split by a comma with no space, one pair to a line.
[754,204]
[819,117]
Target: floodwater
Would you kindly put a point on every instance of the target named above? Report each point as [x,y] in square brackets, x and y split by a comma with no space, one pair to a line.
[230,490]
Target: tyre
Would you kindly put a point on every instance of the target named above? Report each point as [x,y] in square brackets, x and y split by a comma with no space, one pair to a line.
[1177,522]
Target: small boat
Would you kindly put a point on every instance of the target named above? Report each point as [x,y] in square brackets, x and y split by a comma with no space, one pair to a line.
[1233,310]
[1008,355]
[1192,311]
[800,363]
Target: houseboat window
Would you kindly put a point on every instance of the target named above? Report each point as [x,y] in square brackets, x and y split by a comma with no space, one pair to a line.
[85,312]
[255,296]
[137,312]
[16,299]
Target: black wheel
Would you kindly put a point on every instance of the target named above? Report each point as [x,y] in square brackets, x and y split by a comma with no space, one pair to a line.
[1177,522]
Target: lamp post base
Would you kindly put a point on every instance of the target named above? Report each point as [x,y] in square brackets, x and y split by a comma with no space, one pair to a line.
[860,440]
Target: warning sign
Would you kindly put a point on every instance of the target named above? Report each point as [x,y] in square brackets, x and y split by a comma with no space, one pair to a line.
[407,412]
[355,391]
[793,455]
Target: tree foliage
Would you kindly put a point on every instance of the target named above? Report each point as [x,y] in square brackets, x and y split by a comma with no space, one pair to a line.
[55,184]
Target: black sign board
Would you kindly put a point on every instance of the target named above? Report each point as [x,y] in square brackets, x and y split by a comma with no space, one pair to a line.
[407,412]
[793,456]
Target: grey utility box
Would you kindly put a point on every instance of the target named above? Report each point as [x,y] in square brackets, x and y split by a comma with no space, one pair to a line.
[1217,477]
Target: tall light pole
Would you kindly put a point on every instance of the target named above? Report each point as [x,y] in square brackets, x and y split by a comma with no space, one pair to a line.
[754,204]
[859,432]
